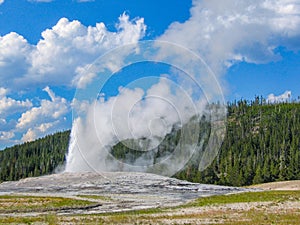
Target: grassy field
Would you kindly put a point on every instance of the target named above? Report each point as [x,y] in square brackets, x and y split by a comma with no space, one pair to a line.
[267,207]
[24,204]
[266,196]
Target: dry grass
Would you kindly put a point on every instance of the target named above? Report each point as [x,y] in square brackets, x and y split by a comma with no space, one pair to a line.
[282,185]
[17,204]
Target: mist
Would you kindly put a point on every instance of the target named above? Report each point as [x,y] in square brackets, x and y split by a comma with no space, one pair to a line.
[171,102]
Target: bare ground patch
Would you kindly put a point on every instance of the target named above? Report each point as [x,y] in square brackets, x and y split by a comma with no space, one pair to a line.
[293,185]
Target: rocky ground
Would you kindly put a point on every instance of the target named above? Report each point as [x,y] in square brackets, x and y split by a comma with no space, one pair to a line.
[119,191]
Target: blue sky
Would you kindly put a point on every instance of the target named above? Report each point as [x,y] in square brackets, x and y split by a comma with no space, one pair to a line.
[252,47]
[30,18]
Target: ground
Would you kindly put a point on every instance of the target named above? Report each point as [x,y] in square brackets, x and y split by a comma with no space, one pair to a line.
[284,185]
[272,203]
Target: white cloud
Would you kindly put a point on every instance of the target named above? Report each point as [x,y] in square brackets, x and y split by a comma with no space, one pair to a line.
[10,106]
[31,122]
[48,117]
[2,121]
[50,93]
[3,91]
[14,57]
[82,78]
[48,111]
[45,127]
[69,45]
[286,96]
[227,31]
[1,1]
[4,136]
[63,49]
[29,136]
[38,131]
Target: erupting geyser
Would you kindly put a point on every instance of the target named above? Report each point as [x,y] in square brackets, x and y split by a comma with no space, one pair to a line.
[145,113]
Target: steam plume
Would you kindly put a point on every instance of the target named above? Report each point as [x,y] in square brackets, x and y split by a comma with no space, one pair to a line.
[142,113]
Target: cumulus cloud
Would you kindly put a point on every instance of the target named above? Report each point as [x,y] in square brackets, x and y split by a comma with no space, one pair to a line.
[2,121]
[4,136]
[3,91]
[38,131]
[14,57]
[30,135]
[10,106]
[224,32]
[47,117]
[65,48]
[81,80]
[48,110]
[21,121]
[286,96]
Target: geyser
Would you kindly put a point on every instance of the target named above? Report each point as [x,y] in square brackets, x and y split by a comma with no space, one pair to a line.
[144,113]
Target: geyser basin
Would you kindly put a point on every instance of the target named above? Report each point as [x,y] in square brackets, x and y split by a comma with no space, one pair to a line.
[123,191]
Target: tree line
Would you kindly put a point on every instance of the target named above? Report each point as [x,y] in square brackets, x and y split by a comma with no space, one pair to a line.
[40,157]
[261,144]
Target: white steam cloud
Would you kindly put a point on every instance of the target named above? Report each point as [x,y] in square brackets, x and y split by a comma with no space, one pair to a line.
[133,114]
[139,114]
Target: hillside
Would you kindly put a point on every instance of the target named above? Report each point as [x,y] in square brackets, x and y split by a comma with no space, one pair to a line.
[35,158]
[262,144]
